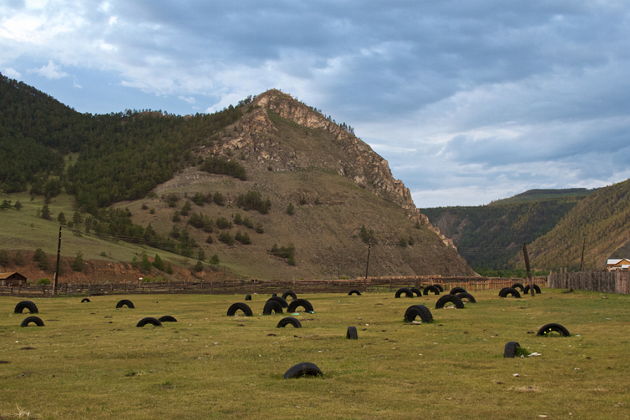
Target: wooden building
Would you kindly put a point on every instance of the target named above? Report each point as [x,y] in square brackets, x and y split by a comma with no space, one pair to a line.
[12,279]
[618,264]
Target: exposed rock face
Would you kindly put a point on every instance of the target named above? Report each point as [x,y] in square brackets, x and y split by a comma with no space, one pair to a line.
[256,139]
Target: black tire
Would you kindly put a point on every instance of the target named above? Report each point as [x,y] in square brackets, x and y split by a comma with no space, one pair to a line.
[26,304]
[527,288]
[510,349]
[289,320]
[248,297]
[302,369]
[280,300]
[352,334]
[553,327]
[449,299]
[239,306]
[439,287]
[469,298]
[433,289]
[34,319]
[509,291]
[289,293]
[149,320]
[418,310]
[167,318]
[456,290]
[416,291]
[85,300]
[272,306]
[129,304]
[408,293]
[354,292]
[518,286]
[300,302]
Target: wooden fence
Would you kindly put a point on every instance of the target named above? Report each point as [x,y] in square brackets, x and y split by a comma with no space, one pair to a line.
[260,286]
[597,281]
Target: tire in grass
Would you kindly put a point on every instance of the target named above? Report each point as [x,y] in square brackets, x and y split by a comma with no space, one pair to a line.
[300,303]
[272,306]
[439,287]
[302,369]
[449,299]
[510,349]
[167,318]
[288,293]
[408,293]
[518,286]
[547,329]
[509,291]
[433,289]
[248,297]
[148,320]
[34,319]
[26,304]
[125,302]
[239,306]
[536,289]
[456,290]
[416,291]
[352,334]
[280,300]
[418,310]
[469,298]
[289,320]
[354,292]
[85,300]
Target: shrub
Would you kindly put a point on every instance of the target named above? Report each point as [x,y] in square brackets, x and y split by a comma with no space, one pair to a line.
[286,252]
[223,223]
[218,199]
[214,260]
[171,200]
[252,200]
[158,263]
[290,209]
[226,238]
[243,238]
[222,166]
[43,282]
[41,259]
[78,264]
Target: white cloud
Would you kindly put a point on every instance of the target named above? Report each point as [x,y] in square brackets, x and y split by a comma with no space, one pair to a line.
[11,72]
[50,71]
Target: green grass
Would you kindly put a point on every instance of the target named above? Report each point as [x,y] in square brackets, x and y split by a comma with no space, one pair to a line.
[90,361]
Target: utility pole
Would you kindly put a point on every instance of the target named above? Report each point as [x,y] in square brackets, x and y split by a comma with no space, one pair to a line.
[367,261]
[529,271]
[57,266]
[582,258]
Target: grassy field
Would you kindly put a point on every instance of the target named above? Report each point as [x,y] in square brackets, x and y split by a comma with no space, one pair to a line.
[90,361]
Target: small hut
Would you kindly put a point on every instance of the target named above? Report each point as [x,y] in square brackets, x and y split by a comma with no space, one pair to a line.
[12,279]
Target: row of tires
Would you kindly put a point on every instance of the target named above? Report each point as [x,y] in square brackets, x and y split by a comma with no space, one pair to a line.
[273,305]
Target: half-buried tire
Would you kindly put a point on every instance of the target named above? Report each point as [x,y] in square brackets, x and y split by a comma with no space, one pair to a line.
[288,293]
[456,290]
[510,349]
[272,306]
[352,334]
[418,311]
[125,302]
[167,318]
[248,297]
[449,299]
[549,329]
[354,292]
[239,306]
[289,320]
[280,300]
[149,320]
[85,300]
[26,304]
[509,291]
[467,296]
[302,369]
[300,303]
[518,286]
[408,293]
[527,288]
[34,319]
[416,291]
[439,287]
[433,289]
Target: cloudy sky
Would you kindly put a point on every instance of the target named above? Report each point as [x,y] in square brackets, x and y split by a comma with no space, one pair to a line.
[469,100]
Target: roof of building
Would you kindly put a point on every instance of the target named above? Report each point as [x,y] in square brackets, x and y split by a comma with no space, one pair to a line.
[9,274]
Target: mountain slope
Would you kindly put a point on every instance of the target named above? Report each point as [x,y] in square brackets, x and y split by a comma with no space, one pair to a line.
[602,218]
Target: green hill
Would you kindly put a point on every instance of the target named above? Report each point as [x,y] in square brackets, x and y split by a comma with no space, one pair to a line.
[270,187]
[569,194]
